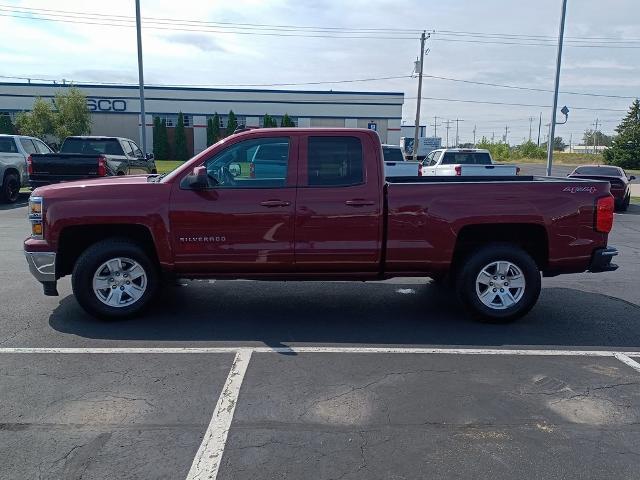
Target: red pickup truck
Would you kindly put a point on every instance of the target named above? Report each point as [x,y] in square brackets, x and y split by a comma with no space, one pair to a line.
[320,209]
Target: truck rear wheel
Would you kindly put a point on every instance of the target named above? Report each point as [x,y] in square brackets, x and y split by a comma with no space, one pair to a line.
[10,188]
[114,279]
[499,283]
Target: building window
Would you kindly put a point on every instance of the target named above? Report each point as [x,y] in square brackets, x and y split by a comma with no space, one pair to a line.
[172,120]
[224,120]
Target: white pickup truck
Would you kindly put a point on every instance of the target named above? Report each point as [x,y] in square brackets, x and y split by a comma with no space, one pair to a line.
[14,150]
[395,164]
[466,162]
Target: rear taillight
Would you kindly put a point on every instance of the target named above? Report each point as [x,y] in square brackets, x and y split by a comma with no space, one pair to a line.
[458,169]
[29,165]
[252,170]
[102,167]
[604,214]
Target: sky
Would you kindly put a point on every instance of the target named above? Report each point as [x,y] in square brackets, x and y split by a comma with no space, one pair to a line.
[175,54]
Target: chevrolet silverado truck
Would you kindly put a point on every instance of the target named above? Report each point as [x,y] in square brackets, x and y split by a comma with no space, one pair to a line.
[329,215]
[617,178]
[464,162]
[88,157]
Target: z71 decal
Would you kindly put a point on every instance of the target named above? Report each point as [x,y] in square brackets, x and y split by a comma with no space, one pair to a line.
[590,189]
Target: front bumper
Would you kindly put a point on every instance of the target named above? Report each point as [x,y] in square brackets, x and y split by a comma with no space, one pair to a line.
[601,260]
[42,266]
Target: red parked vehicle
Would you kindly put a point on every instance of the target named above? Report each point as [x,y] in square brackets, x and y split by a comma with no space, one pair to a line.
[325,213]
[616,176]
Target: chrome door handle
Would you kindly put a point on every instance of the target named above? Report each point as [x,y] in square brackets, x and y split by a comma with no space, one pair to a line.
[359,203]
[275,203]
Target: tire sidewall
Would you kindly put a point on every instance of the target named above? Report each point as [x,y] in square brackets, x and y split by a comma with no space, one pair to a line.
[6,188]
[486,255]
[95,256]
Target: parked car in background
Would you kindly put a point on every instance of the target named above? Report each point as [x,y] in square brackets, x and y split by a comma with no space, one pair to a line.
[395,164]
[616,176]
[456,162]
[14,151]
[88,157]
[331,215]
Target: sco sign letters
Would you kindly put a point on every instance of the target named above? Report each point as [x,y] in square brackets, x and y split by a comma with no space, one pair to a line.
[106,105]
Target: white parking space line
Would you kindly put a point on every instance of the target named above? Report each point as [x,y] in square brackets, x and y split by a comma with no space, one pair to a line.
[207,461]
[628,361]
[390,350]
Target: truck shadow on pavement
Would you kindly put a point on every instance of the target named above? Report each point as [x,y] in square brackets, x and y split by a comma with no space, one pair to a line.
[22,201]
[276,314]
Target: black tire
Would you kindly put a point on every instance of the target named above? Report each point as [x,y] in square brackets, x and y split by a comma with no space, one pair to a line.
[10,188]
[473,266]
[625,204]
[96,255]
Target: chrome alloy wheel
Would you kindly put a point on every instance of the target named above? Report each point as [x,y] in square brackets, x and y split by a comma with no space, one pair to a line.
[500,285]
[119,282]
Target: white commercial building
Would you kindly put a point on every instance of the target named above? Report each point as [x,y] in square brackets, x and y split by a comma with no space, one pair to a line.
[115,110]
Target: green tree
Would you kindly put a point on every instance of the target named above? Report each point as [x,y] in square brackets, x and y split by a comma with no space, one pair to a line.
[39,122]
[528,149]
[210,132]
[625,147]
[232,123]
[6,125]
[286,121]
[217,135]
[592,137]
[71,116]
[181,139]
[156,136]
[268,121]
[164,151]
[558,144]
[499,151]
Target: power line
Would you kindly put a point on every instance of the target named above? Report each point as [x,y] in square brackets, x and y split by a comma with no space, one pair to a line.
[298,31]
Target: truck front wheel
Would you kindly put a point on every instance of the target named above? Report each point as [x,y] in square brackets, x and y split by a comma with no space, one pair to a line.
[114,278]
[499,283]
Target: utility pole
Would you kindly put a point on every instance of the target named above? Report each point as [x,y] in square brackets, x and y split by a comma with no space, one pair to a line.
[506,134]
[420,63]
[595,136]
[539,128]
[474,136]
[143,117]
[457,137]
[435,126]
[447,126]
[530,124]
[493,137]
[552,130]
[571,143]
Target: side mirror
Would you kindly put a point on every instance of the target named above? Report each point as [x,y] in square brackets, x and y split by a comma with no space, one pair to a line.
[150,156]
[632,177]
[235,169]
[198,179]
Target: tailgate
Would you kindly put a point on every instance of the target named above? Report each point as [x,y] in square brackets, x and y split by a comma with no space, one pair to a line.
[65,166]
[489,170]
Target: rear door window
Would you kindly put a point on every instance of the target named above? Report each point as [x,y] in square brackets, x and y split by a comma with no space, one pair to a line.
[28,145]
[335,161]
[8,145]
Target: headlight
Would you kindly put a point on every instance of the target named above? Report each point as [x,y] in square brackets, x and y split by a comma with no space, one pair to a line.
[36,210]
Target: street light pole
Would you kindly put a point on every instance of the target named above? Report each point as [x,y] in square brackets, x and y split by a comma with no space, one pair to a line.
[143,117]
[552,129]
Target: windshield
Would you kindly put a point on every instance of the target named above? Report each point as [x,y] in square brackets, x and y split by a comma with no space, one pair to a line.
[466,158]
[109,146]
[606,171]
[392,154]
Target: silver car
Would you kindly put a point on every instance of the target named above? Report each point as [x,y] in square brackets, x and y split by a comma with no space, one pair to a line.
[14,151]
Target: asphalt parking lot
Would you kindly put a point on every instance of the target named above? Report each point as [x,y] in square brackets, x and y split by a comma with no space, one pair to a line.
[321,380]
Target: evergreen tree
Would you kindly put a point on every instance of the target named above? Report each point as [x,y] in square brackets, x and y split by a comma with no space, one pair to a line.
[625,148]
[181,139]
[215,130]
[156,137]
[164,152]
[232,123]
[6,126]
[286,121]
[209,132]
[268,121]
